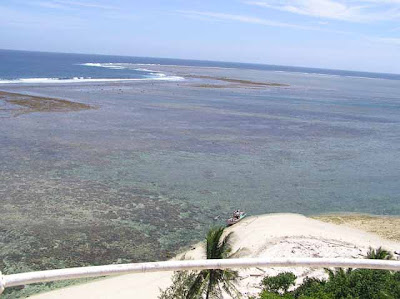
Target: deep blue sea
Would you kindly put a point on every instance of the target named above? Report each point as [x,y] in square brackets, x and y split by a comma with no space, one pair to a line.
[42,67]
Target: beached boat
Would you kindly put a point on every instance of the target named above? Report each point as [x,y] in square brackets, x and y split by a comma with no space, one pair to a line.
[237,216]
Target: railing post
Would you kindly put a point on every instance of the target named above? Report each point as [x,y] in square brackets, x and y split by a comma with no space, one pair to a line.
[1,283]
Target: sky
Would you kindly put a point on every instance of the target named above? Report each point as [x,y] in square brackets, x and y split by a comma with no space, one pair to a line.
[340,34]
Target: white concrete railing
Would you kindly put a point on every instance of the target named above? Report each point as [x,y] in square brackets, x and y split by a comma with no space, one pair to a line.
[96,271]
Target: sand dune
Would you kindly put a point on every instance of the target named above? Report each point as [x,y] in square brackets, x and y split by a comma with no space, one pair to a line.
[273,235]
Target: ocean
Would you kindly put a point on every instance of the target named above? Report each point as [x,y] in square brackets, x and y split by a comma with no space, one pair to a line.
[42,67]
[171,147]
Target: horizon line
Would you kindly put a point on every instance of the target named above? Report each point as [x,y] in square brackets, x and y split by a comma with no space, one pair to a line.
[205,60]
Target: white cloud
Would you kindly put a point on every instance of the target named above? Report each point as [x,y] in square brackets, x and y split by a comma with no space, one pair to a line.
[383,1]
[216,16]
[353,11]
[68,5]
[54,5]
[86,4]
[19,18]
[247,19]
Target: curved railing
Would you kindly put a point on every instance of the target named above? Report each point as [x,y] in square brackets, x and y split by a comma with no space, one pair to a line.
[96,271]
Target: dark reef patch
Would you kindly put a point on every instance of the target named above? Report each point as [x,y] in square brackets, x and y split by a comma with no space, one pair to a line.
[28,104]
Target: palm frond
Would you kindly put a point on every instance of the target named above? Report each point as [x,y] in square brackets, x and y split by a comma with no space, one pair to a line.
[238,253]
[231,289]
[230,275]
[379,254]
[213,242]
[196,287]
[213,283]
[225,248]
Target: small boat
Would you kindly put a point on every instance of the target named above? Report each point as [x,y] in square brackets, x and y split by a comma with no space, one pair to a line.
[237,216]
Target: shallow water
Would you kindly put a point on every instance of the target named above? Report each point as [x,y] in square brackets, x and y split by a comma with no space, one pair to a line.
[159,162]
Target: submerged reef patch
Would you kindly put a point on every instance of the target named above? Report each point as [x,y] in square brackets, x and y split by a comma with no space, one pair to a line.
[22,104]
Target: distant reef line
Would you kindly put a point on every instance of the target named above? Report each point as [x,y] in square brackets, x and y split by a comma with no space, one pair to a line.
[233,83]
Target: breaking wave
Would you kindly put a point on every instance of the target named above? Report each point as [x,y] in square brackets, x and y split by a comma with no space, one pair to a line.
[160,77]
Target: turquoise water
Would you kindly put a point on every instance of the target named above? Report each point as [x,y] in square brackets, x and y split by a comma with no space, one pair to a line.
[161,160]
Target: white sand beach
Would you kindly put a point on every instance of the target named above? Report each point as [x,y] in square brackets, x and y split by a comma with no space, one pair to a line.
[272,235]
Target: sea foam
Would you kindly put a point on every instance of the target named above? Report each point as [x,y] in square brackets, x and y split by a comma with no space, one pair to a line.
[115,66]
[162,77]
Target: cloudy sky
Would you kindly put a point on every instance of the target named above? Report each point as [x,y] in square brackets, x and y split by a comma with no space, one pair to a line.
[340,34]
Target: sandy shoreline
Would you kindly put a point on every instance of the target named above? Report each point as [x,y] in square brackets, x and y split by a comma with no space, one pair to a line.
[274,235]
[383,226]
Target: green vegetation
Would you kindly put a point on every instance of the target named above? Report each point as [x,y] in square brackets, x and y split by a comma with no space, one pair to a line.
[349,284]
[280,283]
[379,254]
[210,283]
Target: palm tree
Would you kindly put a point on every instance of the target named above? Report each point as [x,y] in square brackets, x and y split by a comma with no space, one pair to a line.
[209,281]
[379,254]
